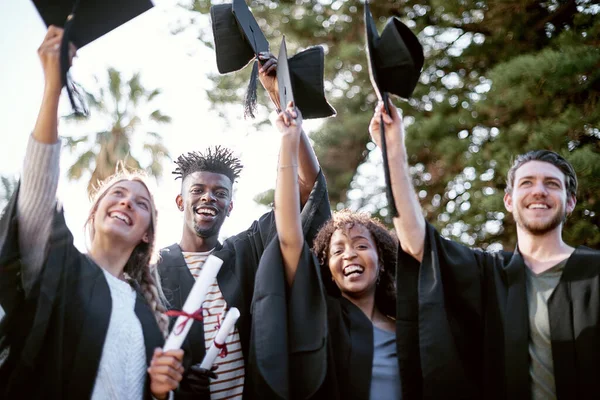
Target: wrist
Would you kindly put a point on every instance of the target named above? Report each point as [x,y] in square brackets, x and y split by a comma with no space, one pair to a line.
[52,91]
[164,396]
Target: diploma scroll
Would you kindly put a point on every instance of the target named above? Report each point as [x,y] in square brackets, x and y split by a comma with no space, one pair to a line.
[192,308]
[220,339]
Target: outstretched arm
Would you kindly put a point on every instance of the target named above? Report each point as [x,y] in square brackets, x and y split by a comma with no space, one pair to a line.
[308,165]
[39,179]
[410,224]
[287,201]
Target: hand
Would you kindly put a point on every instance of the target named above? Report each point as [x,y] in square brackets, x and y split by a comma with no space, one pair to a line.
[394,133]
[49,54]
[267,74]
[289,121]
[196,380]
[165,372]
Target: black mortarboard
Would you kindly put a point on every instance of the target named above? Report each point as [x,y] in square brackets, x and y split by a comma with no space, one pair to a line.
[395,61]
[84,21]
[300,79]
[238,39]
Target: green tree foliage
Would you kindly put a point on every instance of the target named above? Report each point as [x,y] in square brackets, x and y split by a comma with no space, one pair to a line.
[120,106]
[501,77]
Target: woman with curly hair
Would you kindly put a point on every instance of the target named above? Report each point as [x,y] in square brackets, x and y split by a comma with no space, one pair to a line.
[351,337]
[79,325]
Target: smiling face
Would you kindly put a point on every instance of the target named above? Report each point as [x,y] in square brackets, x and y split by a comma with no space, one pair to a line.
[354,261]
[206,202]
[124,213]
[539,201]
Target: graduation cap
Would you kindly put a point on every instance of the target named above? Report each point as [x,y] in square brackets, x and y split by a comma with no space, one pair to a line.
[238,40]
[84,21]
[300,79]
[395,61]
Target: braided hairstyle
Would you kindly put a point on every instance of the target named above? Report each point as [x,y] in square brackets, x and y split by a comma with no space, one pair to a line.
[387,250]
[216,159]
[140,269]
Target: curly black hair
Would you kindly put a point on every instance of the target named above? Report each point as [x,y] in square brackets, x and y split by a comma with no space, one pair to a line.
[387,250]
[216,159]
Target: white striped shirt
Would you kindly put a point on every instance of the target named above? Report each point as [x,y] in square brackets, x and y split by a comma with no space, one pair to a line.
[230,381]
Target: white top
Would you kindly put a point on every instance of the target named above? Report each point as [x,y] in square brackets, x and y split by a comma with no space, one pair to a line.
[230,373]
[122,370]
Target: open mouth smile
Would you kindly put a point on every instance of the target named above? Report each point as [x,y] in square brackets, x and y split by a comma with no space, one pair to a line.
[206,212]
[120,216]
[353,269]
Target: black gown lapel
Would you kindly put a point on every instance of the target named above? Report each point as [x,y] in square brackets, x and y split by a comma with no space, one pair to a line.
[93,334]
[516,330]
[360,367]
[574,313]
[407,326]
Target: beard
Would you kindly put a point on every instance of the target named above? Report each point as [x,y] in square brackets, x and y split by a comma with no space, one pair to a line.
[541,228]
[208,232]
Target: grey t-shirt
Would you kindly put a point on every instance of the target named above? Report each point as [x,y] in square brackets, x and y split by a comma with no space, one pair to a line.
[541,368]
[385,378]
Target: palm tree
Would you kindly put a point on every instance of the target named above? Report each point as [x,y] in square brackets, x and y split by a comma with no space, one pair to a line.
[120,105]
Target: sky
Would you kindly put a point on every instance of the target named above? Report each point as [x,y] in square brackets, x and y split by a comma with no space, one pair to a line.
[177,64]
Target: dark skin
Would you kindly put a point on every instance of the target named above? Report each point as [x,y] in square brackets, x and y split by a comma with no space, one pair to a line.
[194,241]
[308,165]
[206,201]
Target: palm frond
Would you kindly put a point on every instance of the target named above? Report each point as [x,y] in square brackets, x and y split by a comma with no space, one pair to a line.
[153,94]
[155,135]
[75,117]
[130,126]
[136,90]
[70,143]
[83,164]
[114,84]
[159,117]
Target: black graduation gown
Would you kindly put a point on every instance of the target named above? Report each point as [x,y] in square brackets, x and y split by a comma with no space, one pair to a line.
[474,327]
[310,345]
[55,335]
[241,255]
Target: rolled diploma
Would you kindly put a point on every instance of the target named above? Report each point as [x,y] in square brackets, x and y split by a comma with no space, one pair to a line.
[226,328]
[194,301]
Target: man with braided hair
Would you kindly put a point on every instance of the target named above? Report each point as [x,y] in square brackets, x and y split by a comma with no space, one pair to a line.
[206,200]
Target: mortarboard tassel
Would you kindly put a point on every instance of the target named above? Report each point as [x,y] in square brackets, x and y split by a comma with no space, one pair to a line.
[75,97]
[386,167]
[250,100]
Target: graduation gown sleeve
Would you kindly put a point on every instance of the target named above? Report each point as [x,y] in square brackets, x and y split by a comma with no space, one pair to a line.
[52,339]
[467,298]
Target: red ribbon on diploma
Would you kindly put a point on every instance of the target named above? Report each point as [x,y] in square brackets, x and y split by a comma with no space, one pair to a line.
[196,315]
[223,347]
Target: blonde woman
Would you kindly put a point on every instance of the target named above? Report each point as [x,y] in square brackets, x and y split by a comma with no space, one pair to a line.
[79,325]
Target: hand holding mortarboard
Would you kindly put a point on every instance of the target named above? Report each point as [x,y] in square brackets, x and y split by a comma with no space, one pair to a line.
[394,131]
[84,21]
[395,61]
[239,40]
[267,74]
[49,54]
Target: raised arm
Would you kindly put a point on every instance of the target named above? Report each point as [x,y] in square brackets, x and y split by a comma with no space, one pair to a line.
[410,224]
[287,200]
[308,165]
[39,180]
